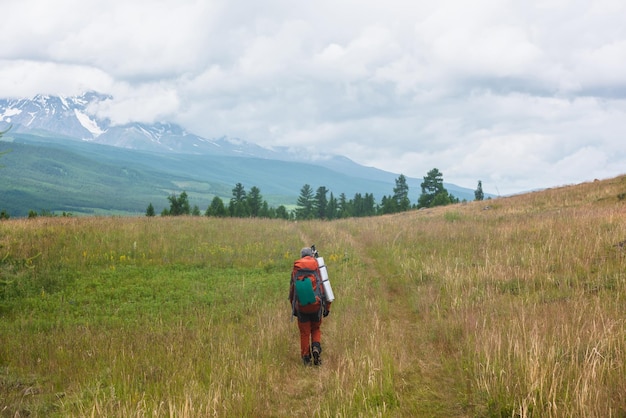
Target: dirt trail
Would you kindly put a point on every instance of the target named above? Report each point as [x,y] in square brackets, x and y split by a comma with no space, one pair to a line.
[422,384]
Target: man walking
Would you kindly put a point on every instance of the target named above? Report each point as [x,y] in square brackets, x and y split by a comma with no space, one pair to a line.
[309,304]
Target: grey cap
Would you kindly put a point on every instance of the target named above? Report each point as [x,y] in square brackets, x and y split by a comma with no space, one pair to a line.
[306,251]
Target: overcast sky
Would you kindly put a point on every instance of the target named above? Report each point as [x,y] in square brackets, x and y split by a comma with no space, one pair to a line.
[520,94]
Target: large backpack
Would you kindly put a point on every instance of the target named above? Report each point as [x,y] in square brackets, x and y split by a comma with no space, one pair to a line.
[308,296]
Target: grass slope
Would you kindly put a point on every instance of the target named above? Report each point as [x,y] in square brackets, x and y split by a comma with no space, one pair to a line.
[39,177]
[511,309]
[57,174]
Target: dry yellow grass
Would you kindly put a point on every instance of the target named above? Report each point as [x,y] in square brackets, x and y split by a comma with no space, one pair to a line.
[509,307]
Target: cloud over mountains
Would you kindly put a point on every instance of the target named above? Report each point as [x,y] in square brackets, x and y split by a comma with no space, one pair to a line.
[520,94]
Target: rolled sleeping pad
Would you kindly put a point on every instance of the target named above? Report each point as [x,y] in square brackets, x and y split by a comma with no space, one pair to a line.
[330,296]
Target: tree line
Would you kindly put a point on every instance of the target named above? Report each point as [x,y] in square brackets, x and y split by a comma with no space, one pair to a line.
[310,204]
[320,203]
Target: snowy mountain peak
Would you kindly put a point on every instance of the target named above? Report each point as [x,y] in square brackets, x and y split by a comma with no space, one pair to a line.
[65,116]
[71,117]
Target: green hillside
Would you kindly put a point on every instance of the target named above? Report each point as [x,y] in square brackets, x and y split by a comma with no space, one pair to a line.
[56,174]
[53,179]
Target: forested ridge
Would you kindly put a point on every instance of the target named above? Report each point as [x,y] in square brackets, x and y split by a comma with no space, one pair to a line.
[321,203]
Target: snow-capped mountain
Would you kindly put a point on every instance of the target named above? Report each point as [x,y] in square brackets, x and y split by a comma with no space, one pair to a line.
[71,117]
[70,123]
[51,114]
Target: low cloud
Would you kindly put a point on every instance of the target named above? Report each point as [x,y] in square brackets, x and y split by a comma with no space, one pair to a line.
[520,95]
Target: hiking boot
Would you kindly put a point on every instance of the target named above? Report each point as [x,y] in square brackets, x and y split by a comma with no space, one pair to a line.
[317,350]
[306,360]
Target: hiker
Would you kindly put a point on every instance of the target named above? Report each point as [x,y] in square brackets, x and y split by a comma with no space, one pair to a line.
[308,305]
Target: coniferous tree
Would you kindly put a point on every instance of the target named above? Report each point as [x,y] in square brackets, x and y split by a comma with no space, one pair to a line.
[255,201]
[266,211]
[401,194]
[216,208]
[332,207]
[388,205]
[238,206]
[383,205]
[478,193]
[344,207]
[150,210]
[281,212]
[433,191]
[358,207]
[431,186]
[369,205]
[305,203]
[320,204]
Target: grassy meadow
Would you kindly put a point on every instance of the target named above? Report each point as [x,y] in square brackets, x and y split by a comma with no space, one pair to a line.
[513,307]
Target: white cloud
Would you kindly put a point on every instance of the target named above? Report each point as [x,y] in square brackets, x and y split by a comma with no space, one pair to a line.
[515,93]
[26,78]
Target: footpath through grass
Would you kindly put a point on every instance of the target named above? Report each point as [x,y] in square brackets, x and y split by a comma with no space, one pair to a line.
[513,307]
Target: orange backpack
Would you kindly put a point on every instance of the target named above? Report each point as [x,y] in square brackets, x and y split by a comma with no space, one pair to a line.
[307,286]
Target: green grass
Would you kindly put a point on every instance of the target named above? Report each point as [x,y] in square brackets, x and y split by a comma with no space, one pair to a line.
[456,311]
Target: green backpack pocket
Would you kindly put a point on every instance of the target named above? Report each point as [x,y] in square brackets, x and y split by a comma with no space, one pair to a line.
[305,292]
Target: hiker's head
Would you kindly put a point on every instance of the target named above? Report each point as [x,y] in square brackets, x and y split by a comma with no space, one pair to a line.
[306,251]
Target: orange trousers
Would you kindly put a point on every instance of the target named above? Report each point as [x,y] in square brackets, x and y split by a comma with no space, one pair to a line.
[310,333]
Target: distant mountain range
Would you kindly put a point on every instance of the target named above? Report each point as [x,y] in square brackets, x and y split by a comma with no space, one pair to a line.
[73,118]
[63,158]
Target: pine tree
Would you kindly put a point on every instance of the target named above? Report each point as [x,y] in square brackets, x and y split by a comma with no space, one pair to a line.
[369,204]
[305,203]
[478,193]
[332,207]
[150,210]
[320,204]
[344,208]
[238,206]
[433,191]
[401,194]
[255,201]
[281,212]
[216,208]
[388,205]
